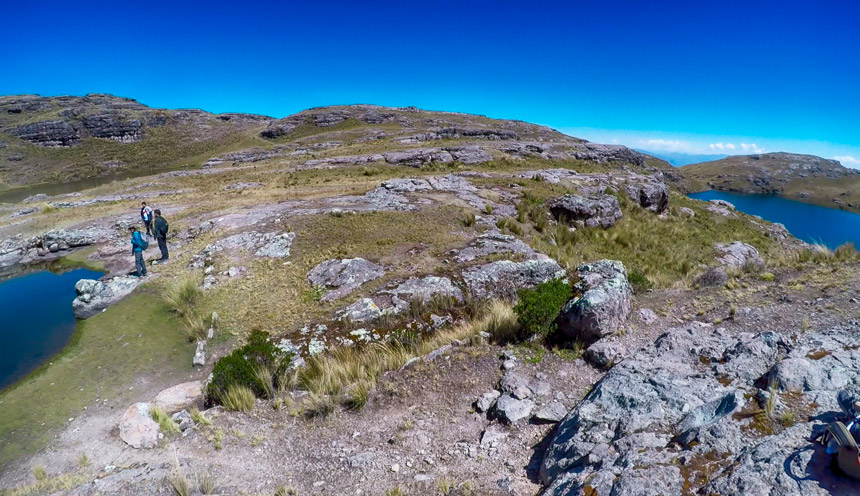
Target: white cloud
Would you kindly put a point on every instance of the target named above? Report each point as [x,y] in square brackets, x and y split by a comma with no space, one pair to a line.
[731,147]
[848,161]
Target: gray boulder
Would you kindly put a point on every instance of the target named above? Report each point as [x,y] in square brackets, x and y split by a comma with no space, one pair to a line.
[487,400]
[714,276]
[596,210]
[552,412]
[341,277]
[651,193]
[603,305]
[423,289]
[738,255]
[503,279]
[515,385]
[362,310]
[94,296]
[511,410]
[604,353]
[406,185]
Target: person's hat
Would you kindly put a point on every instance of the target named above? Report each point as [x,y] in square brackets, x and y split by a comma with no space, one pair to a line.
[131,228]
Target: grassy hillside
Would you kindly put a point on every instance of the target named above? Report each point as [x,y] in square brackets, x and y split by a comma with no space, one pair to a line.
[805,178]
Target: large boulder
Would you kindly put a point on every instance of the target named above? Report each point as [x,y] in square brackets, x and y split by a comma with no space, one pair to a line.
[341,277]
[502,279]
[603,303]
[738,255]
[596,210]
[137,428]
[180,397]
[94,296]
[651,193]
[678,418]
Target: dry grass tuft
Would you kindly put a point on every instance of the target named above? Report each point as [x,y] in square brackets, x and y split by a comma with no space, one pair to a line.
[238,398]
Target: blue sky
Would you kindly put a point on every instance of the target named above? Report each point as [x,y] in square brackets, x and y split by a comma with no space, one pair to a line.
[678,76]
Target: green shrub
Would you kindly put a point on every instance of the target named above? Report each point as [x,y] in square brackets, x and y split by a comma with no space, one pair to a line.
[639,281]
[538,308]
[241,366]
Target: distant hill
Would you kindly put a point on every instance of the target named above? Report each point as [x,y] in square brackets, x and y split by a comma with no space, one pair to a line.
[800,177]
[56,139]
[677,159]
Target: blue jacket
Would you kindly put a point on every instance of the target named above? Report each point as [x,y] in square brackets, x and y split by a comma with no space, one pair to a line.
[136,242]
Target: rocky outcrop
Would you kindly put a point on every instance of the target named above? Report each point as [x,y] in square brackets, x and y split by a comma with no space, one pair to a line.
[650,193]
[95,296]
[363,310]
[738,255]
[424,290]
[137,429]
[603,304]
[29,250]
[47,133]
[503,279]
[406,185]
[271,245]
[720,207]
[494,242]
[417,157]
[680,417]
[591,211]
[341,277]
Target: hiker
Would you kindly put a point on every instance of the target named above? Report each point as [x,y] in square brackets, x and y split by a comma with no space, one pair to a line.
[146,216]
[138,244]
[160,230]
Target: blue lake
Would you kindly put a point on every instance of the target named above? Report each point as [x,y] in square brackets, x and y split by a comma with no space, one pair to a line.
[807,222]
[36,319]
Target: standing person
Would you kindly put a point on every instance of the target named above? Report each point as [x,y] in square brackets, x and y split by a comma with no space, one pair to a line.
[146,216]
[160,229]
[137,247]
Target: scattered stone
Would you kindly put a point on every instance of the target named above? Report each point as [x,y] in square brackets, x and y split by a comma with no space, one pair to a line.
[720,207]
[137,428]
[603,304]
[604,353]
[424,289]
[209,281]
[487,400]
[200,354]
[494,242]
[511,410]
[596,210]
[184,420]
[647,316]
[515,385]
[503,279]
[406,185]
[341,277]
[242,186]
[687,211]
[493,435]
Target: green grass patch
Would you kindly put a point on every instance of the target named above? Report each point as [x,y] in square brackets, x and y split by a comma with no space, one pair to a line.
[136,337]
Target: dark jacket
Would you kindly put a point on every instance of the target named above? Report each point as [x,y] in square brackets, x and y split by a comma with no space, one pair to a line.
[160,228]
[136,242]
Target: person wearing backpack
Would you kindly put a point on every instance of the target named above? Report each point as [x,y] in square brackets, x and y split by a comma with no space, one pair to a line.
[138,244]
[146,216]
[160,230]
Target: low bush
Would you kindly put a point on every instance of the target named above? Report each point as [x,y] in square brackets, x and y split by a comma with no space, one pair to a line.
[639,281]
[242,366]
[537,308]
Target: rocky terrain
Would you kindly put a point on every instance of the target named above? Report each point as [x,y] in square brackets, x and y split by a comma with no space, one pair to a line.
[669,346]
[799,177]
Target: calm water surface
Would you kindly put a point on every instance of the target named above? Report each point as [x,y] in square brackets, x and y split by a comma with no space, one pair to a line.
[810,223]
[36,319]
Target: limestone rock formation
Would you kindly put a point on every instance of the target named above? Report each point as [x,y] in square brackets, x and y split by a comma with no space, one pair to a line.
[341,277]
[739,255]
[94,296]
[650,193]
[493,242]
[603,303]
[180,397]
[596,210]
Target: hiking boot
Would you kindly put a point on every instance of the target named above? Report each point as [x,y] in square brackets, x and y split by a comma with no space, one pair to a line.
[849,402]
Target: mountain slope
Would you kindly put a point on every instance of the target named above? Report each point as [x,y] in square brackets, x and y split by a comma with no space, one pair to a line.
[52,139]
[800,177]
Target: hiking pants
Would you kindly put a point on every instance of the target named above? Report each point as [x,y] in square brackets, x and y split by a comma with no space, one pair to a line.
[162,245]
[148,224]
[139,265]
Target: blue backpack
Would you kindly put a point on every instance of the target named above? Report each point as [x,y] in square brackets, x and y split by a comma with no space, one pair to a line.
[142,240]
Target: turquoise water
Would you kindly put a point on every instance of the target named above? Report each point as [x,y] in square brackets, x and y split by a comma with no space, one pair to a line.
[810,223]
[36,319]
